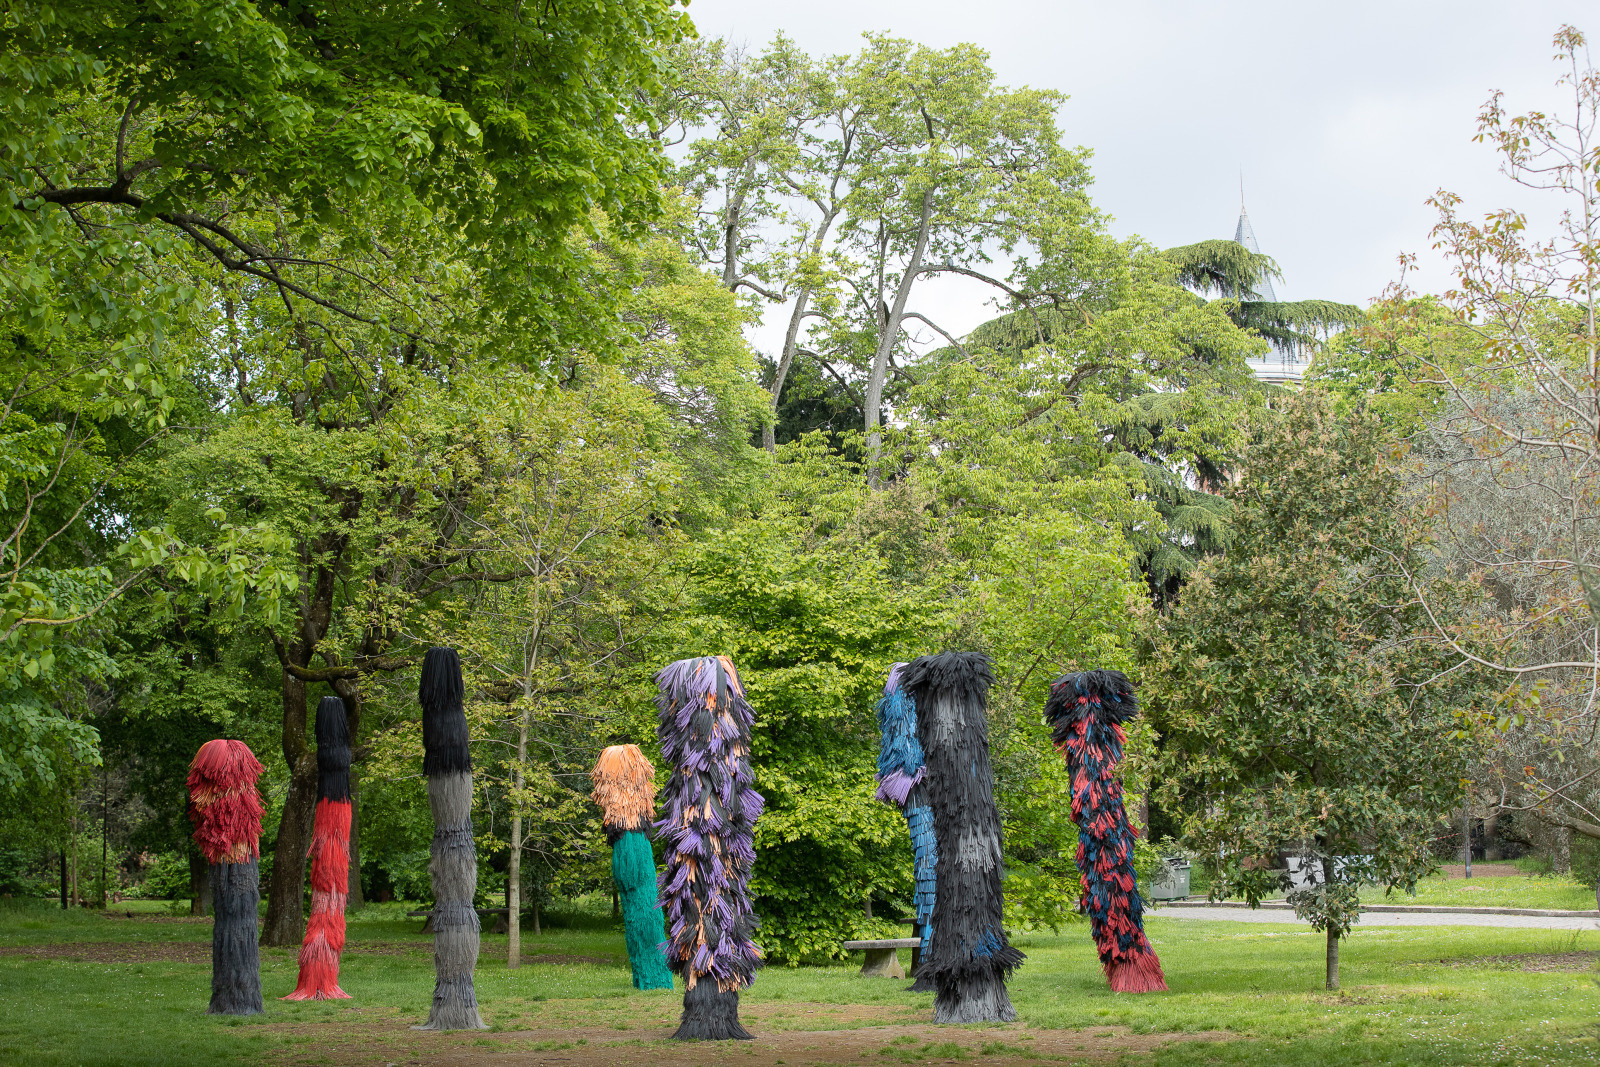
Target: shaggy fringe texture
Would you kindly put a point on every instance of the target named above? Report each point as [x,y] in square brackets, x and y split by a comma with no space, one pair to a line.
[969,958]
[330,859]
[710,1014]
[223,802]
[625,789]
[226,810]
[1086,712]
[711,812]
[633,868]
[445,742]
[454,867]
[901,770]
[235,959]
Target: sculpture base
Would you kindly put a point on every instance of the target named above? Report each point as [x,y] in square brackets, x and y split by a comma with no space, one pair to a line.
[709,1014]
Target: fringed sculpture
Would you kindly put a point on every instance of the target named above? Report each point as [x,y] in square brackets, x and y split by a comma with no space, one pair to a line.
[901,773]
[969,958]
[1086,712]
[711,812]
[447,764]
[624,788]
[330,859]
[226,810]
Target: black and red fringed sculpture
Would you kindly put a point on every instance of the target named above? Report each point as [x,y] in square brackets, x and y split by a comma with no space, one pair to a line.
[708,829]
[447,764]
[969,958]
[1086,712]
[330,859]
[226,810]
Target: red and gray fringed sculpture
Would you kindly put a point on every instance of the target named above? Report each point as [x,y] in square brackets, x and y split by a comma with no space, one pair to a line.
[447,764]
[226,810]
[1086,712]
[330,859]
[711,812]
[902,769]
[969,958]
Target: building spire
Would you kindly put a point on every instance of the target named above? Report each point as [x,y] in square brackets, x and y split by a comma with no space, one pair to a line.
[1243,234]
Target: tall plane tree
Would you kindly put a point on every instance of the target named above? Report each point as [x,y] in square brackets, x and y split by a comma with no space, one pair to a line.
[368,200]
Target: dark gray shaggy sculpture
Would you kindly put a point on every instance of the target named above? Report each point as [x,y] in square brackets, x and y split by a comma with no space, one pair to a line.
[447,763]
[970,957]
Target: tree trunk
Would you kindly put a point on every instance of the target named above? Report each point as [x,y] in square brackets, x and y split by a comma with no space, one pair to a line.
[769,432]
[1333,958]
[886,341]
[285,922]
[514,863]
[199,883]
[1561,861]
[63,879]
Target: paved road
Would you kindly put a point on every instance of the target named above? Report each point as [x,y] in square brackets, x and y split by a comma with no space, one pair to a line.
[1381,918]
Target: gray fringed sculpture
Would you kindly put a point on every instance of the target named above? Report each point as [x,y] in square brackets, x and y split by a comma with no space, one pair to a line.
[970,957]
[447,764]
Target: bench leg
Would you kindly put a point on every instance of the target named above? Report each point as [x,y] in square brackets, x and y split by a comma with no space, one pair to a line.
[882,963]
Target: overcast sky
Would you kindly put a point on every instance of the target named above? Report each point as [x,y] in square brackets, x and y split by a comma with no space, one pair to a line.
[1343,117]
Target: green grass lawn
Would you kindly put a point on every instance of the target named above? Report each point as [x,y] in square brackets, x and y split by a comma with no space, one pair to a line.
[1545,891]
[1452,995]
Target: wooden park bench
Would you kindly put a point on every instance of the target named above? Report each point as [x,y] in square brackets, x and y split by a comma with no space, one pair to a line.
[883,957]
[426,915]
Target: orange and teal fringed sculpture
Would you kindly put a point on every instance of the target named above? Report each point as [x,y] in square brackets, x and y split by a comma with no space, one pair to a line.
[1086,712]
[330,859]
[625,789]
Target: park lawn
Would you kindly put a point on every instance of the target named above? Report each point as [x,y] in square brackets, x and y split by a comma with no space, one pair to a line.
[1560,892]
[1449,995]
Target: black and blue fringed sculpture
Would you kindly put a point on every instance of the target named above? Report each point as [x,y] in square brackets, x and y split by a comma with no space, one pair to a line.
[447,764]
[969,958]
[711,807]
[902,771]
[1086,712]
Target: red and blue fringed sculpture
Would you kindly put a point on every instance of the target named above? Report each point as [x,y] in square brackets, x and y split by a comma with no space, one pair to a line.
[447,764]
[226,810]
[708,829]
[901,773]
[1086,712]
[626,792]
[969,958]
[330,859]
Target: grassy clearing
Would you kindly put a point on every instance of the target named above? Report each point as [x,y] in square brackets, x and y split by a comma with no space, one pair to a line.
[1544,891]
[1412,996]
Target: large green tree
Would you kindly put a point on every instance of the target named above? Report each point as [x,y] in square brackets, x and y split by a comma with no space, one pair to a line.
[357,206]
[1302,706]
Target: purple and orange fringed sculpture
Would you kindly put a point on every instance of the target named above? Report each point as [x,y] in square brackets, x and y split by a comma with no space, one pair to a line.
[711,811]
[969,958]
[1086,712]
[902,773]
[330,859]
[226,810]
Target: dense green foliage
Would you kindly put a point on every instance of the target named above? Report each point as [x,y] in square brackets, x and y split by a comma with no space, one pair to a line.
[336,332]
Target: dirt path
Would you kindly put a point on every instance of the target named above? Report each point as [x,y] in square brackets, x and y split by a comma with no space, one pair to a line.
[792,1034]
